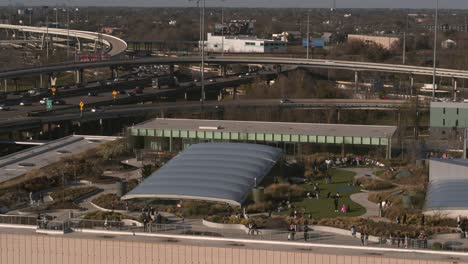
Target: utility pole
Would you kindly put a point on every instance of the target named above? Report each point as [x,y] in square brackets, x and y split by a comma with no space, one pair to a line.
[435,50]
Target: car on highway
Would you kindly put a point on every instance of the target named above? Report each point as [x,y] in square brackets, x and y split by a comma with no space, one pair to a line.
[92,94]
[122,92]
[97,109]
[137,90]
[212,80]
[59,102]
[3,107]
[44,100]
[285,101]
[240,76]
[25,103]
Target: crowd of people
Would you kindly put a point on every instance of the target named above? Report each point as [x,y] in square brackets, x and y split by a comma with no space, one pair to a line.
[149,217]
[346,161]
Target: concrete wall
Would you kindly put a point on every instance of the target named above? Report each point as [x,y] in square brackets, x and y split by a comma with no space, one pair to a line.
[16,248]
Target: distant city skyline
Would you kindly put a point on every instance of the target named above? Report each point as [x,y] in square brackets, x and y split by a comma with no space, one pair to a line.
[417,4]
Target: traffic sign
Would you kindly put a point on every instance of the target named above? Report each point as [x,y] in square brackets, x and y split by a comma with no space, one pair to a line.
[81,108]
[54,91]
[114,94]
[49,104]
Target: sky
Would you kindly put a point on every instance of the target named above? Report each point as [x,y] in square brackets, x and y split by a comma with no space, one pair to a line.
[447,4]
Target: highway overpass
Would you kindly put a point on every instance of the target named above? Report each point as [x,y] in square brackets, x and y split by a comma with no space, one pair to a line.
[225,60]
[123,111]
[115,46]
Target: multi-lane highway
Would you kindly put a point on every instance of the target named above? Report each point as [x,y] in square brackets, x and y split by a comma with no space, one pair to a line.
[112,112]
[225,60]
[115,45]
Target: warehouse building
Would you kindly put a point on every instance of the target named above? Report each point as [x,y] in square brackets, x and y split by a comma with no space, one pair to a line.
[387,42]
[178,134]
[448,119]
[243,44]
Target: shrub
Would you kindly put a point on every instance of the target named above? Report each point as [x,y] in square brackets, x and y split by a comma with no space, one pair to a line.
[114,149]
[436,246]
[373,185]
[260,207]
[283,191]
[71,194]
[383,228]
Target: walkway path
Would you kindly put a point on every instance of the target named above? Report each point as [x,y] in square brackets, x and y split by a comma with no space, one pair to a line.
[362,198]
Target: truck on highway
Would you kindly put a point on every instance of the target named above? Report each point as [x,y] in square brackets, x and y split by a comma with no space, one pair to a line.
[165,82]
[428,86]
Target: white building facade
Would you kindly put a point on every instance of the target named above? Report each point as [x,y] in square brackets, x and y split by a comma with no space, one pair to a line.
[243,44]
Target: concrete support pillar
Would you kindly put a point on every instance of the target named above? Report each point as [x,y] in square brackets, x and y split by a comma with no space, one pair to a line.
[338,115]
[6,85]
[224,70]
[79,76]
[49,80]
[114,73]
[356,81]
[101,127]
[411,85]
[15,81]
[234,93]
[465,144]
[185,96]
[78,42]
[343,153]
[455,89]
[278,69]
[95,46]
[171,69]
[41,80]
[170,144]
[220,95]
[42,41]
[389,149]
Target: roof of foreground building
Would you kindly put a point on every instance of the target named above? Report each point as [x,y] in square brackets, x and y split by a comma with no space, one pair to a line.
[448,182]
[217,172]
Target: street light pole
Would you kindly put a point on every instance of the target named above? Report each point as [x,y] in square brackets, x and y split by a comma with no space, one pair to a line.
[56,17]
[47,34]
[222,31]
[308,32]
[404,40]
[435,50]
[202,99]
[68,32]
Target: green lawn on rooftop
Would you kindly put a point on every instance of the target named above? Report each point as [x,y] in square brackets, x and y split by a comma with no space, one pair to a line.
[324,207]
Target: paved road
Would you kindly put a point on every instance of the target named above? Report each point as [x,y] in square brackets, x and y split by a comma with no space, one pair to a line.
[225,60]
[116,46]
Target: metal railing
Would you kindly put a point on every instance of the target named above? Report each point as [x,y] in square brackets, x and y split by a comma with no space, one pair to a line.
[45,224]
[204,231]
[18,220]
